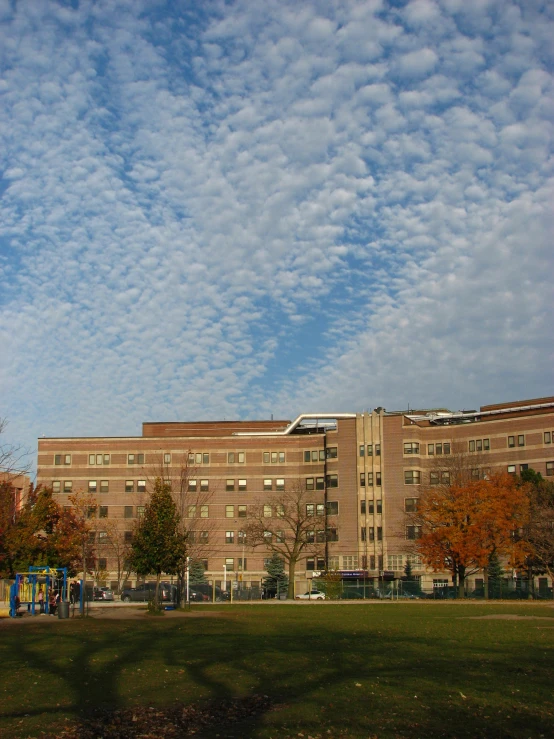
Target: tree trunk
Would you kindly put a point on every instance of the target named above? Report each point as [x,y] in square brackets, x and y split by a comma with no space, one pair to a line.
[292,568]
[461,581]
[486,584]
[157,596]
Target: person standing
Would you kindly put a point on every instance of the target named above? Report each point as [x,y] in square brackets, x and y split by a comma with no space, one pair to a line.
[41,600]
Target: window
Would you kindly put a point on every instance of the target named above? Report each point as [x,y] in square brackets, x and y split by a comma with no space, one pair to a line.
[434,478]
[370,450]
[320,509]
[242,486]
[363,533]
[56,486]
[314,455]
[521,440]
[332,481]
[362,507]
[332,534]
[475,474]
[430,449]
[67,486]
[98,458]
[310,537]
[103,511]
[204,511]
[350,562]
[371,507]
[511,441]
[411,447]
[92,487]
[229,511]
[242,537]
[446,448]
[523,467]
[279,484]
[370,479]
[167,458]
[395,561]
[128,535]
[310,563]
[310,483]
[319,483]
[277,457]
[198,458]
[128,511]
[331,452]
[547,437]
[478,445]
[379,533]
[229,563]
[333,563]
[511,469]
[377,450]
[235,457]
[204,486]
[410,505]
[140,511]
[192,486]
[268,485]
[280,536]
[57,458]
[129,486]
[372,562]
[486,445]
[242,511]
[230,486]
[204,537]
[104,486]
[413,532]
[411,477]
[379,506]
[267,511]
[362,479]
[191,537]
[205,458]
[135,458]
[242,564]
[229,537]
[102,563]
[279,510]
[362,450]
[371,533]
[268,536]
[445,478]
[141,486]
[310,509]
[191,511]
[378,478]
[414,560]
[550,468]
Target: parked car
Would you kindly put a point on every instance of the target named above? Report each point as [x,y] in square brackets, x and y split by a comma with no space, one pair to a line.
[147,591]
[313,595]
[102,594]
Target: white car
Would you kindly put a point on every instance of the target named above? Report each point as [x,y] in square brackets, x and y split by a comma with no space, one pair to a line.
[314,595]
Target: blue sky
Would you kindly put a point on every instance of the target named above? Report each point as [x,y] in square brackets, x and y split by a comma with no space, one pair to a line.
[276,207]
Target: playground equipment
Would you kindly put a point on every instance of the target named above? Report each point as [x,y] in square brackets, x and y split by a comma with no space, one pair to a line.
[25,589]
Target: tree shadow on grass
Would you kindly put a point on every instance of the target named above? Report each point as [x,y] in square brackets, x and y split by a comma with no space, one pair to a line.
[318,677]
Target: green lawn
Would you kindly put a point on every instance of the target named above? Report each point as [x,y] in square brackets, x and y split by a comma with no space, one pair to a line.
[366,670]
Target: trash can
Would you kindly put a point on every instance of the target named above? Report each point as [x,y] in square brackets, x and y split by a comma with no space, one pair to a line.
[63,609]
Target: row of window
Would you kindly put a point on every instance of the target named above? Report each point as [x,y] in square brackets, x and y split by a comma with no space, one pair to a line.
[371,506]
[512,468]
[369,478]
[436,448]
[371,449]
[320,455]
[368,533]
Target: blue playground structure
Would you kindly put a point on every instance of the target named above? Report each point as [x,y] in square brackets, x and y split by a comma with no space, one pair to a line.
[25,589]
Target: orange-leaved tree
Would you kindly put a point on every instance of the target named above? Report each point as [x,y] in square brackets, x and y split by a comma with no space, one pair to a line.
[463,524]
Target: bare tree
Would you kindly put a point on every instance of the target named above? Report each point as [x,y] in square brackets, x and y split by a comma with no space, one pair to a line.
[84,508]
[291,523]
[115,546]
[13,461]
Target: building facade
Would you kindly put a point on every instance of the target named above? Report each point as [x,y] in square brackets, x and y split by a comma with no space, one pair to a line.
[363,471]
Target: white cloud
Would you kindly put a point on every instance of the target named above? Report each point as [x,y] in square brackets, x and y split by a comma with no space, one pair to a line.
[271,209]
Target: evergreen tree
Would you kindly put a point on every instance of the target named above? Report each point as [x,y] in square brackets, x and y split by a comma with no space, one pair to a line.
[408,571]
[196,572]
[157,546]
[277,580]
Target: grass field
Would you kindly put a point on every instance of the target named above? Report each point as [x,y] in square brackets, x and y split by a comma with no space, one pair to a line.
[366,670]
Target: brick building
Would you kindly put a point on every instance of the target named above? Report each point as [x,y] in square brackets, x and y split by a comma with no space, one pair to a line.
[364,470]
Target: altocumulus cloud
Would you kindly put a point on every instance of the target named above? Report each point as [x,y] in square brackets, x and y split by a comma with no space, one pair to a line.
[271,207]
